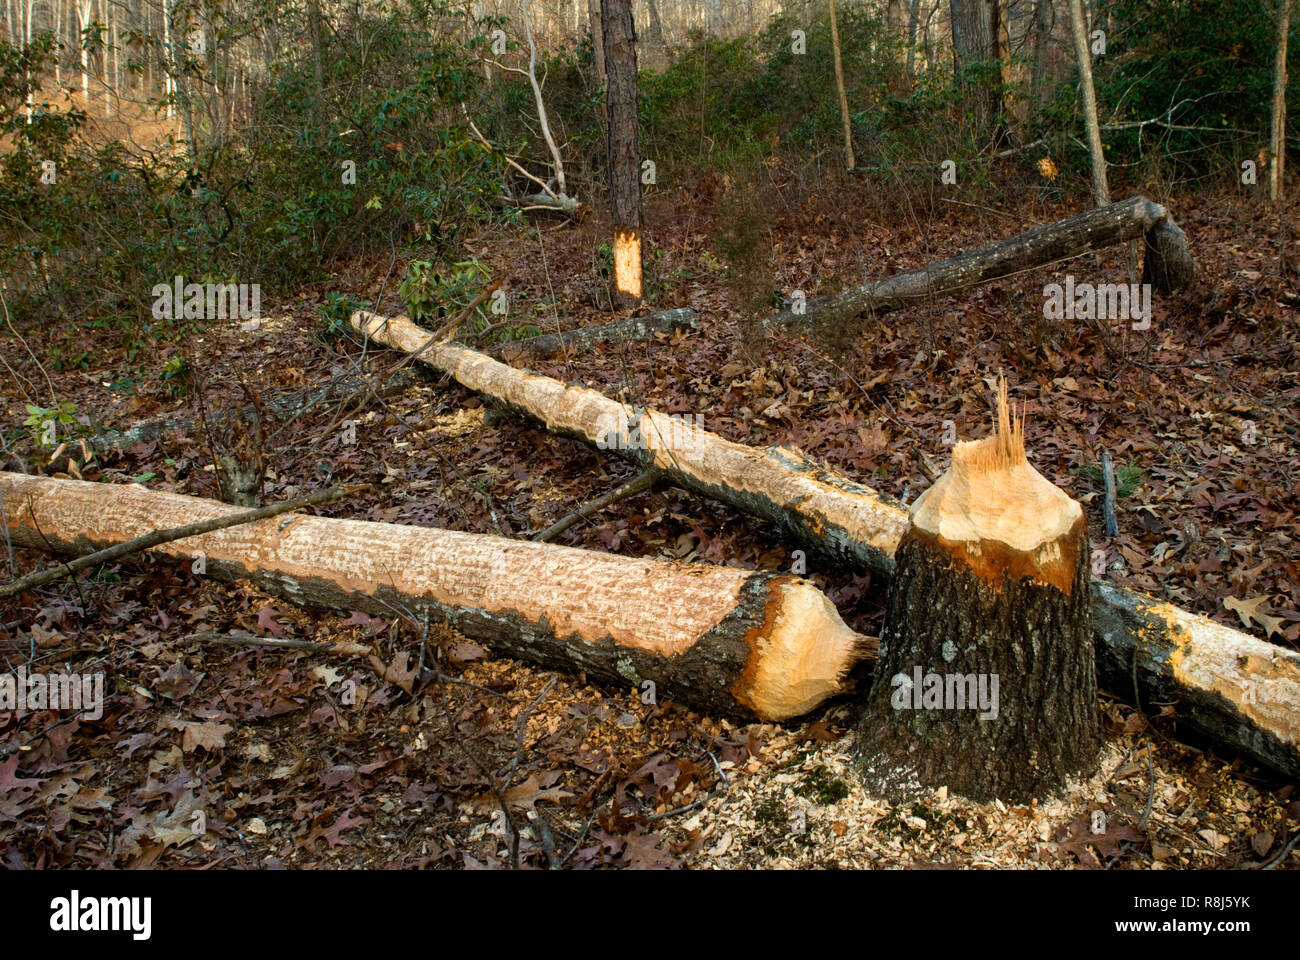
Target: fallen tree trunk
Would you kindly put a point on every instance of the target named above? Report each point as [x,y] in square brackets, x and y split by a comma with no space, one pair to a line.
[1168,265]
[808,501]
[1179,655]
[283,407]
[621,331]
[733,641]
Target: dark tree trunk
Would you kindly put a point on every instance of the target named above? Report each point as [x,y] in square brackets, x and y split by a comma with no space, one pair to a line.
[976,25]
[624,148]
[621,331]
[1036,639]
[1042,32]
[1168,266]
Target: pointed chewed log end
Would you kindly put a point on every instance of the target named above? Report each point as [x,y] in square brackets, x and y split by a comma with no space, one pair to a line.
[998,516]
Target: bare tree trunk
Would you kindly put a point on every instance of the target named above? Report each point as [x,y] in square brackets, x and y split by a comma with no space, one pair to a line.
[106,19]
[913,17]
[624,148]
[58,40]
[849,160]
[84,11]
[1100,188]
[597,39]
[976,25]
[655,31]
[541,106]
[1044,16]
[1277,138]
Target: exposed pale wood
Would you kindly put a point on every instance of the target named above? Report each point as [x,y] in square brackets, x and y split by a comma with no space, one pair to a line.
[808,500]
[157,537]
[861,527]
[998,514]
[734,641]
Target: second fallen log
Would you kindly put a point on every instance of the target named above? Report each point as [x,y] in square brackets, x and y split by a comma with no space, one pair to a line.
[721,639]
[1168,266]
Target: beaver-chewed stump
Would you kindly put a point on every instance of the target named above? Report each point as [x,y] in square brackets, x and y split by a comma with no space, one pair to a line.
[986,681]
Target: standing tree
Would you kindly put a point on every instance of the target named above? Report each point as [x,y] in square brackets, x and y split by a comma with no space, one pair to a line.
[1100,188]
[1277,138]
[597,39]
[623,148]
[986,681]
[849,160]
[976,32]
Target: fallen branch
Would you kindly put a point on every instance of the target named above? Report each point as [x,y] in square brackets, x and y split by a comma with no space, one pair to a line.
[248,640]
[285,407]
[634,486]
[1181,656]
[731,641]
[620,331]
[1168,267]
[1109,524]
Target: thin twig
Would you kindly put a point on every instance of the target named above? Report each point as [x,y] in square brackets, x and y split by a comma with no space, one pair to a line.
[641,482]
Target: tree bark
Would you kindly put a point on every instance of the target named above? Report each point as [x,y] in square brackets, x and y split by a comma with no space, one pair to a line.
[624,148]
[597,39]
[1043,19]
[1169,265]
[1100,186]
[1277,136]
[975,28]
[621,331]
[724,640]
[986,680]
[1175,655]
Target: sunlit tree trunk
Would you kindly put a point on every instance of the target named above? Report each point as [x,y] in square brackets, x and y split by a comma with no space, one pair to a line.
[849,160]
[1100,188]
[1277,141]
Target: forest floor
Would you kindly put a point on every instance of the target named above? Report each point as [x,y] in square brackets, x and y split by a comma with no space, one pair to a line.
[257,746]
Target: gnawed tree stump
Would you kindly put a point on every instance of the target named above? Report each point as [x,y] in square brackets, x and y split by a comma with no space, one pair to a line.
[1179,655]
[724,640]
[986,681]
[1169,265]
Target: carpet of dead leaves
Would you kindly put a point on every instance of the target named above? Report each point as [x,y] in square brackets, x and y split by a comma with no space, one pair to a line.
[253,757]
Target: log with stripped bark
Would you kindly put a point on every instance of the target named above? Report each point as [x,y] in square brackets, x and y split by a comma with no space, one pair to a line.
[1242,692]
[1168,265]
[725,640]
